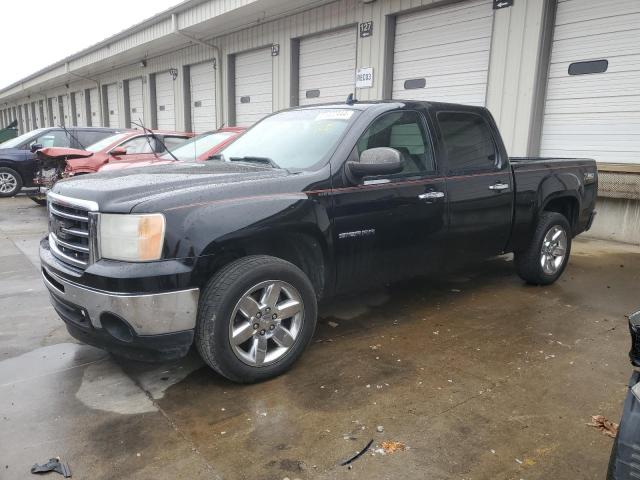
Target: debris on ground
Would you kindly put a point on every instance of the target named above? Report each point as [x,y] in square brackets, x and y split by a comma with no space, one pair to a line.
[332,324]
[607,427]
[380,429]
[392,446]
[53,465]
[357,455]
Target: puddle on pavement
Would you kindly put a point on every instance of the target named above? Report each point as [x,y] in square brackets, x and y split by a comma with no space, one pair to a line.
[47,361]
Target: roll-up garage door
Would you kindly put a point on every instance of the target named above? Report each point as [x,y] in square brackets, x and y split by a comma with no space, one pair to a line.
[203,97]
[136,102]
[327,66]
[112,105]
[65,110]
[34,115]
[94,106]
[592,106]
[27,117]
[254,86]
[165,102]
[442,53]
[79,109]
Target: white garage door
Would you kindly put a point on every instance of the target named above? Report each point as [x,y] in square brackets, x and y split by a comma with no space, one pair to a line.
[94,106]
[136,102]
[254,86]
[26,117]
[66,110]
[592,107]
[203,97]
[165,102]
[112,105]
[327,67]
[442,54]
[80,110]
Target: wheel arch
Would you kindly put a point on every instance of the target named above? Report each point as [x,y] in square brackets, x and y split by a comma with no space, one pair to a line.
[564,203]
[303,247]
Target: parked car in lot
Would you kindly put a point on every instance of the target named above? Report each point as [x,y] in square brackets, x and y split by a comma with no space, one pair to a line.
[18,165]
[55,163]
[233,254]
[623,463]
[197,149]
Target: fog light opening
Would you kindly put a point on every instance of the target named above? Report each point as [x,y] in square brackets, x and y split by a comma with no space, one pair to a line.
[116,327]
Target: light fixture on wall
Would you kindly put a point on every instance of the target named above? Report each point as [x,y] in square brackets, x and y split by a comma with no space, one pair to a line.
[143,64]
[173,72]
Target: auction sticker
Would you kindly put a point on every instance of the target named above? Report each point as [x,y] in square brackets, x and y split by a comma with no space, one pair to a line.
[335,115]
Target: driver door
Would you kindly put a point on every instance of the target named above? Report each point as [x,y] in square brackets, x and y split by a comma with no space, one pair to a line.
[391,227]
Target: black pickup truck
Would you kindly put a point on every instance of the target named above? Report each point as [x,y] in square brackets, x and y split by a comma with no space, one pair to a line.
[233,254]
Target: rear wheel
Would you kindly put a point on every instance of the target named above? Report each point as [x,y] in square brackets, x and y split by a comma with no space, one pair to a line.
[256,317]
[10,182]
[545,259]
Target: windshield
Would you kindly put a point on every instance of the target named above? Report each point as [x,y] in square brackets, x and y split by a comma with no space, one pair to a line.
[296,139]
[105,142]
[196,146]
[18,141]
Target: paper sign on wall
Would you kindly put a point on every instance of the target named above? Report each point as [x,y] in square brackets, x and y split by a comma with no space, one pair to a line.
[364,77]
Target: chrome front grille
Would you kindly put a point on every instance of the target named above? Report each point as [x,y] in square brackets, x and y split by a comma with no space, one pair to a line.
[70,229]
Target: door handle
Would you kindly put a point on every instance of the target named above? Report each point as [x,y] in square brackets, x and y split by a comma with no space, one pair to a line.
[430,195]
[499,186]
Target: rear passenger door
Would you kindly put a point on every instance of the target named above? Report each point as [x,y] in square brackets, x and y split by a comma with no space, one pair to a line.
[479,186]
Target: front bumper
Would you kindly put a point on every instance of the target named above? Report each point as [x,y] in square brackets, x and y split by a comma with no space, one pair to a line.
[624,454]
[147,326]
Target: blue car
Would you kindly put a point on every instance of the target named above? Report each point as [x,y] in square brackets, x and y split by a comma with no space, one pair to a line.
[18,165]
[625,453]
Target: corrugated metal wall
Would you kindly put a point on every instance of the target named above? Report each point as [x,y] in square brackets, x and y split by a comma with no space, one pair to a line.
[512,72]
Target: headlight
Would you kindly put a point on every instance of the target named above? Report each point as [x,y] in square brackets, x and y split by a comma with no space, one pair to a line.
[131,238]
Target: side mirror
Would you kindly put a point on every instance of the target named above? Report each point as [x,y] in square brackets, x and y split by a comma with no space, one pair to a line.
[118,152]
[376,161]
[36,146]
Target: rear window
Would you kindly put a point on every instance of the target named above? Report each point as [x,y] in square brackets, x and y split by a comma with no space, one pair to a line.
[468,141]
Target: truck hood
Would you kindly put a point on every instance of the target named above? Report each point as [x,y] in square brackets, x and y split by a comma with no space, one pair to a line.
[164,186]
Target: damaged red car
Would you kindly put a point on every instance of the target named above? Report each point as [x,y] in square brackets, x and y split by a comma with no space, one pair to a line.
[198,149]
[55,163]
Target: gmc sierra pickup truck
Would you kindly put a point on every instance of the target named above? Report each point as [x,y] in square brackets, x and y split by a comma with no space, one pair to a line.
[233,254]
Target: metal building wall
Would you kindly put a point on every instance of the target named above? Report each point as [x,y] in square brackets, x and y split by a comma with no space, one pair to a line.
[515,57]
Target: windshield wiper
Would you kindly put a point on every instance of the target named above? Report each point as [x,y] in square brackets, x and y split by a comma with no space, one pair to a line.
[252,159]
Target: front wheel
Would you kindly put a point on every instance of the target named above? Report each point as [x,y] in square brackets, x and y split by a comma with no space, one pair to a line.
[256,316]
[10,182]
[545,259]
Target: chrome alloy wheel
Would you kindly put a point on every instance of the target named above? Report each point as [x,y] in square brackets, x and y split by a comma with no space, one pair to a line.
[266,322]
[8,182]
[554,250]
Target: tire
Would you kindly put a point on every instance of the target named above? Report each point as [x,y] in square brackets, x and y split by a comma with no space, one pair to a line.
[40,201]
[242,286]
[529,263]
[10,182]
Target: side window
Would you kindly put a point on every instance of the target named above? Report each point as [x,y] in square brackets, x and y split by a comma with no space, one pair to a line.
[468,142]
[405,132]
[88,137]
[138,145]
[172,142]
[53,138]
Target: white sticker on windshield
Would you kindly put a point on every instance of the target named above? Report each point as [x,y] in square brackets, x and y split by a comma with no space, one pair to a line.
[335,115]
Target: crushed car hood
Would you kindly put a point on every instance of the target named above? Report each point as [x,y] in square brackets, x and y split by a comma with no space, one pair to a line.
[62,152]
[120,191]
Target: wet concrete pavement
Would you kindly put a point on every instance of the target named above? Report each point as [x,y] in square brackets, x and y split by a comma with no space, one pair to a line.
[479,375]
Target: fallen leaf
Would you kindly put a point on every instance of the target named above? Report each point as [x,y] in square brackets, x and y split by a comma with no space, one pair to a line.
[607,427]
[392,447]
